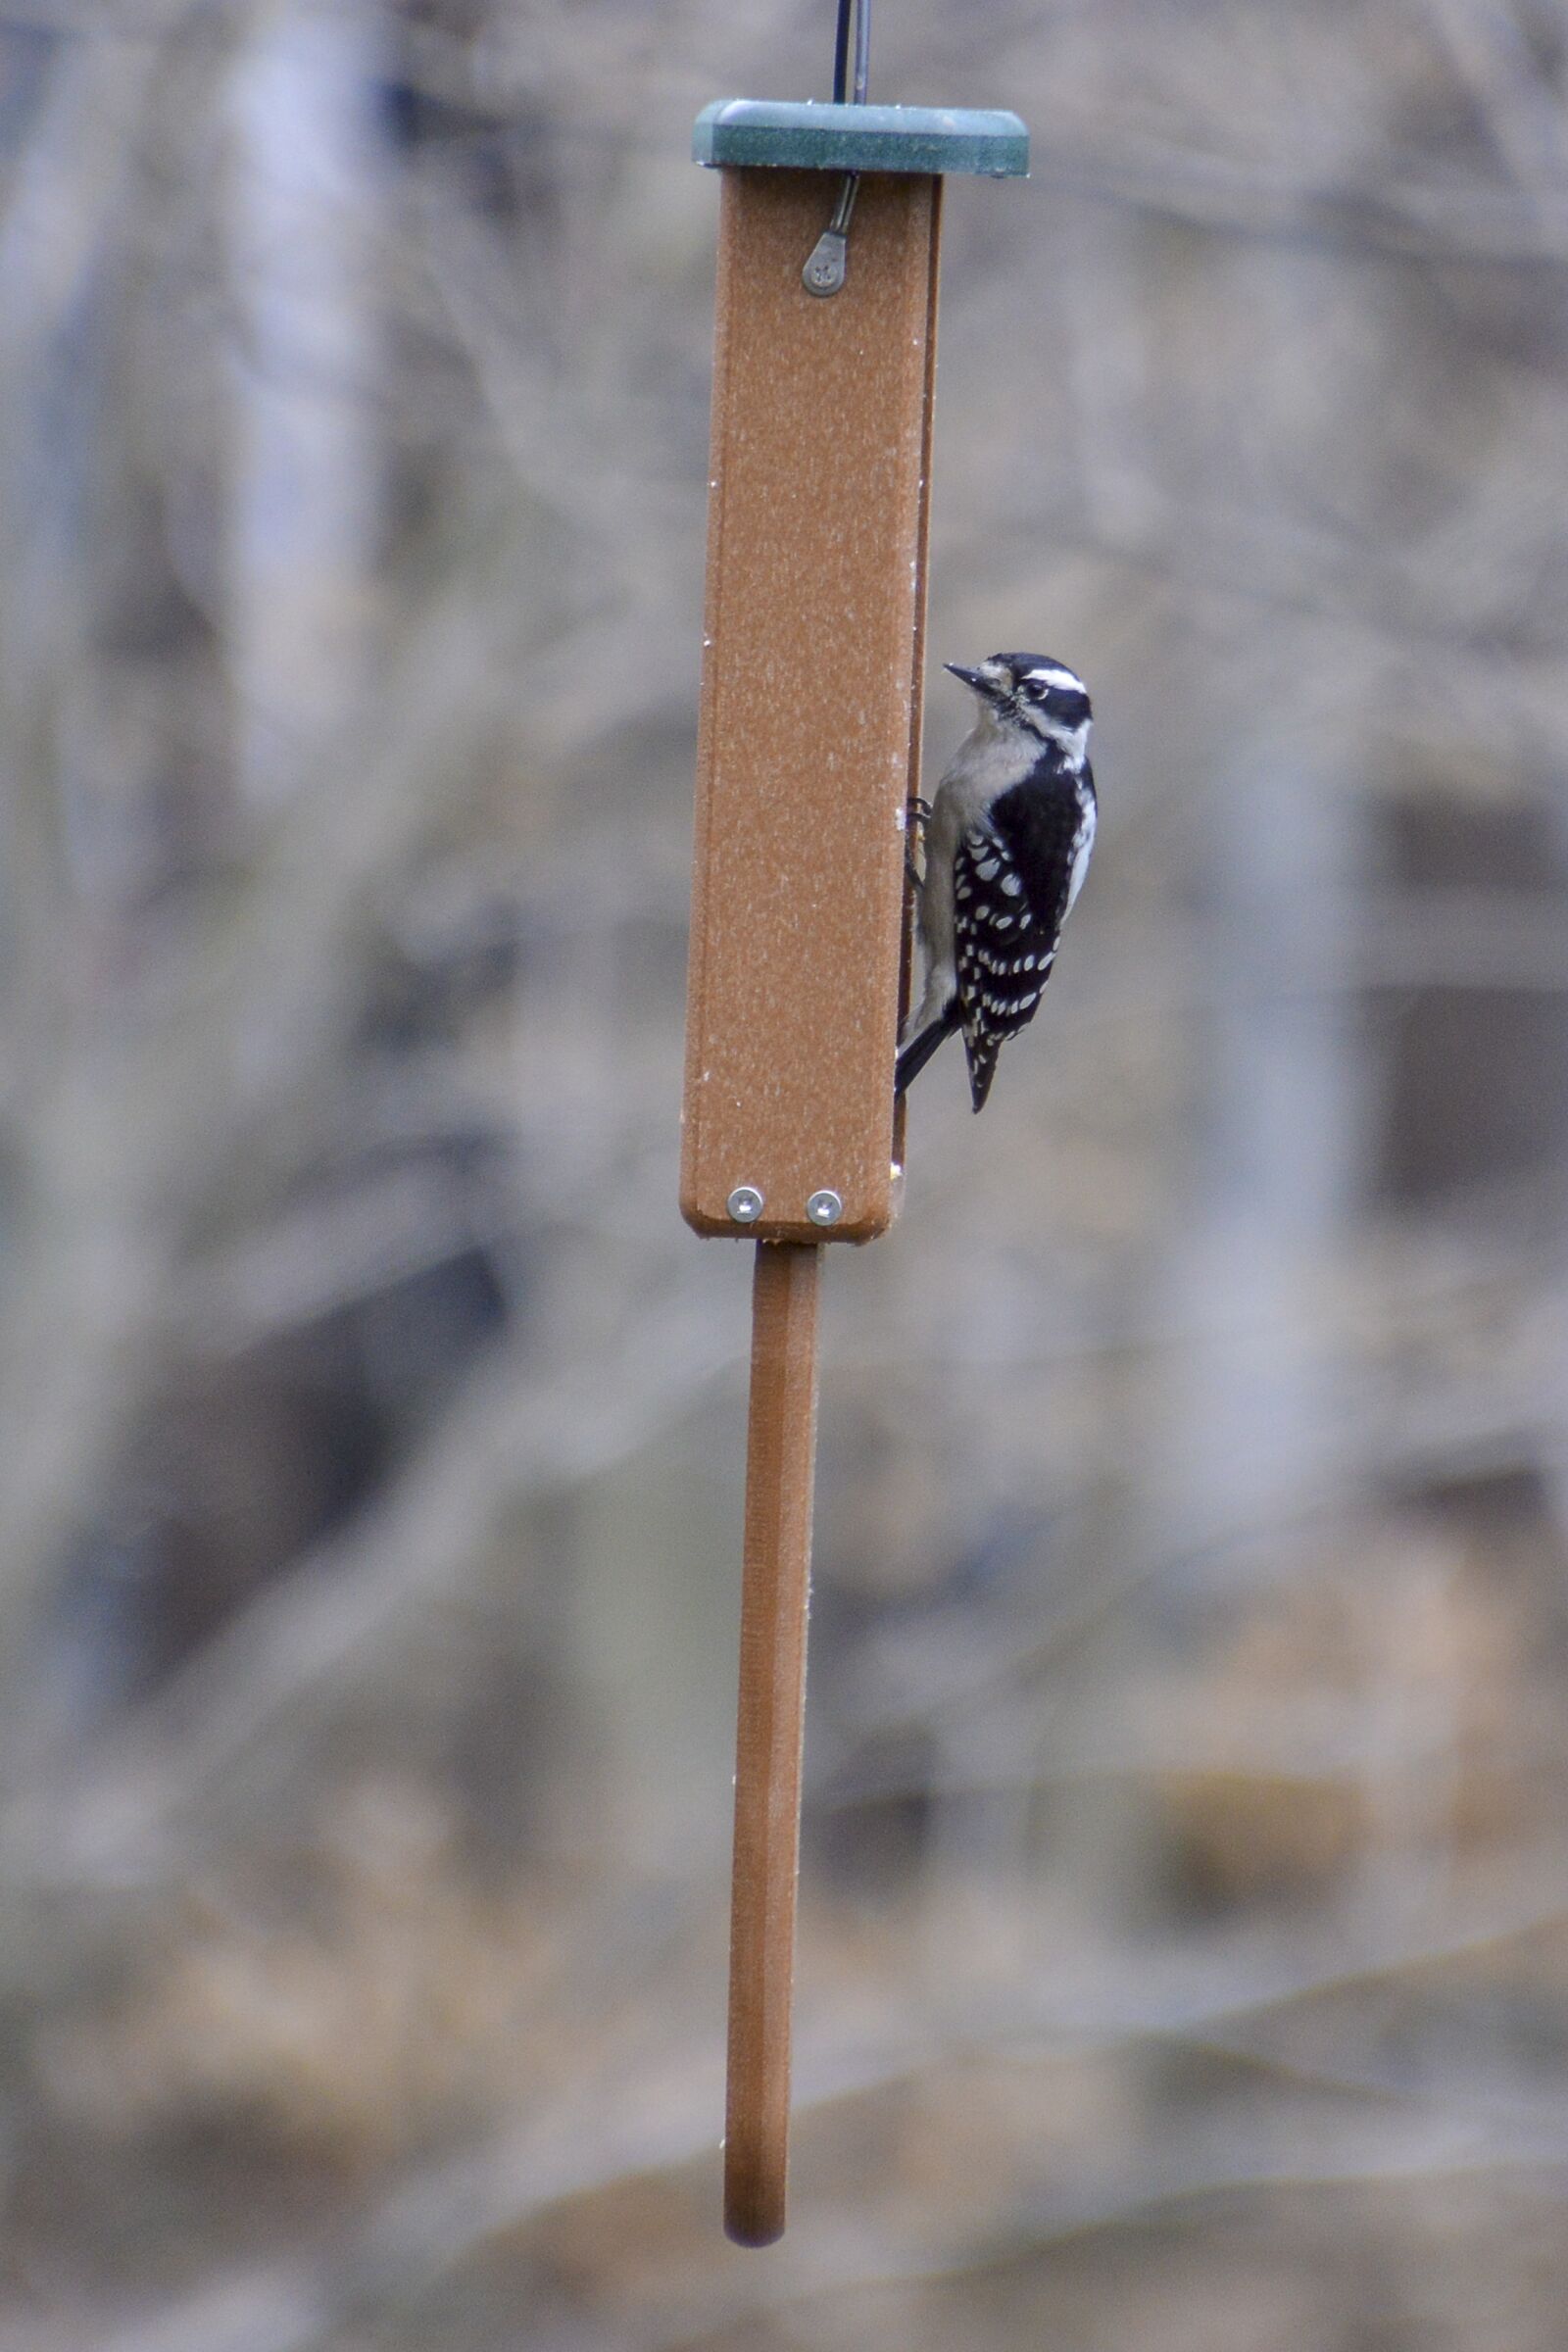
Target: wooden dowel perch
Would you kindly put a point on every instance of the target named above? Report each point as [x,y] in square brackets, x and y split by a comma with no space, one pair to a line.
[774,1597]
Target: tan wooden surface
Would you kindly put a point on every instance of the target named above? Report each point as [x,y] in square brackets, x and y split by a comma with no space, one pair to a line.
[781,1441]
[809,743]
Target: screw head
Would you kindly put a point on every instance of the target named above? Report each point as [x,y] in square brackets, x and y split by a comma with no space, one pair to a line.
[825,1207]
[745,1205]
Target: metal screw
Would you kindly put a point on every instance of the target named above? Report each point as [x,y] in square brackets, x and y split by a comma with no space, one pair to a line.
[745,1205]
[828,264]
[825,1207]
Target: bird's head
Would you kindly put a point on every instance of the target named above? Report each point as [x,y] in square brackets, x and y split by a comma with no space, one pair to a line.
[1033,693]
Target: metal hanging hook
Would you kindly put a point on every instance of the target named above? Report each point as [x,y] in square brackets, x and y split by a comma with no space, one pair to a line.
[829,261]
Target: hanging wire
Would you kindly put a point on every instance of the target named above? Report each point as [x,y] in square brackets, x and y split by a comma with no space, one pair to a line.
[829,259]
[862,52]
[840,54]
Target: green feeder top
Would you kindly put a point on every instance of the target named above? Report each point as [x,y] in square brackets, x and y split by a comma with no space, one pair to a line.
[812,137]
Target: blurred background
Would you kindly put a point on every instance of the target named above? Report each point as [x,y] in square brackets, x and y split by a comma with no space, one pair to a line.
[1184,1953]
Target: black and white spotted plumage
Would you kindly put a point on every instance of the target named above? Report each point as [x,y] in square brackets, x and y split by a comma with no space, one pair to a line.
[1010,831]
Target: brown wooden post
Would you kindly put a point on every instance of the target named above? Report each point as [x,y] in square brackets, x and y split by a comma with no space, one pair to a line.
[780,1467]
[808,757]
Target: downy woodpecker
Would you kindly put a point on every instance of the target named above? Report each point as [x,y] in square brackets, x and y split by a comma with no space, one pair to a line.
[1006,846]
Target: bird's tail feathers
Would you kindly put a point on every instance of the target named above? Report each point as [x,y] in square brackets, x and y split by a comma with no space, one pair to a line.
[918,1051]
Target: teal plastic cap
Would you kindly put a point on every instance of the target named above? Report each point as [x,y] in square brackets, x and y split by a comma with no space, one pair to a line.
[992,145]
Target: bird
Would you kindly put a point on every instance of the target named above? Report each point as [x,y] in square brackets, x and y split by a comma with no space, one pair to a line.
[1008,842]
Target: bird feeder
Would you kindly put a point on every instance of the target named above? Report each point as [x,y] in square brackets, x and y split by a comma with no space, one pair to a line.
[808,768]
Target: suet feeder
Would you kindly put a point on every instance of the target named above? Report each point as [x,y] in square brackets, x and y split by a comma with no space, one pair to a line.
[808,768]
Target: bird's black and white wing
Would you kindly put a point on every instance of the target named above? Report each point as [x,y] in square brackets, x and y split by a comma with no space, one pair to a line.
[1016,877]
[1002,952]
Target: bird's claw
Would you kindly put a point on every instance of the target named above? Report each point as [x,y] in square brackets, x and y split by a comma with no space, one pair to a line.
[919,816]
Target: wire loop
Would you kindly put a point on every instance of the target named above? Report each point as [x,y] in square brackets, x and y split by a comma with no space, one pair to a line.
[828,263]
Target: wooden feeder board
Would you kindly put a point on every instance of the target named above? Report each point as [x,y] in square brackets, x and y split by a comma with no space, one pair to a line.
[808,751]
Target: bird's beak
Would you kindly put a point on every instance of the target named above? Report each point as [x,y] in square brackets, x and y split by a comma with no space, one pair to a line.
[970,677]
